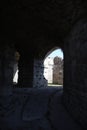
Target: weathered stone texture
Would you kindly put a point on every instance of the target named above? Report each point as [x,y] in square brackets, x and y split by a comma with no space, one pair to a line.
[23,22]
[75,80]
[34,109]
[6,67]
[25,74]
[39,80]
[58,71]
[0,67]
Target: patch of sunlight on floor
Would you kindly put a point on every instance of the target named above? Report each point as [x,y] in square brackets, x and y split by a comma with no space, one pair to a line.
[54,85]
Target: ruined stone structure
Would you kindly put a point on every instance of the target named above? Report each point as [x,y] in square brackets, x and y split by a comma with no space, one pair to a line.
[53,70]
[33,28]
[58,71]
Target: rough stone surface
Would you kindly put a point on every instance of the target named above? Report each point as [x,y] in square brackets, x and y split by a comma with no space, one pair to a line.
[25,66]
[6,67]
[58,71]
[35,109]
[39,80]
[75,94]
[35,27]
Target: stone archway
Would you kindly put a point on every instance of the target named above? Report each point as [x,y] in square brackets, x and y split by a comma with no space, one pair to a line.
[53,66]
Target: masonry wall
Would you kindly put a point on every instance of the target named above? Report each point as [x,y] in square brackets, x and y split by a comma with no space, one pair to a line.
[0,66]
[75,73]
[58,71]
[39,80]
[6,68]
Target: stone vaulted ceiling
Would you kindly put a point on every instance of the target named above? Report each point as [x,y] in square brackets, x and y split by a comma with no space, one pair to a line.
[32,22]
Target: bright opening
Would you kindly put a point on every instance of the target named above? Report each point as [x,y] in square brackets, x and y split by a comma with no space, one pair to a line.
[15,71]
[53,67]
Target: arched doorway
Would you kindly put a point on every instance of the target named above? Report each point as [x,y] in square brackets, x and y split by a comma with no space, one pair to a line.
[53,67]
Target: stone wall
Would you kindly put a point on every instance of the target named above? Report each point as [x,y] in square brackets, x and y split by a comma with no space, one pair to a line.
[25,66]
[75,73]
[58,71]
[39,79]
[6,67]
[0,67]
